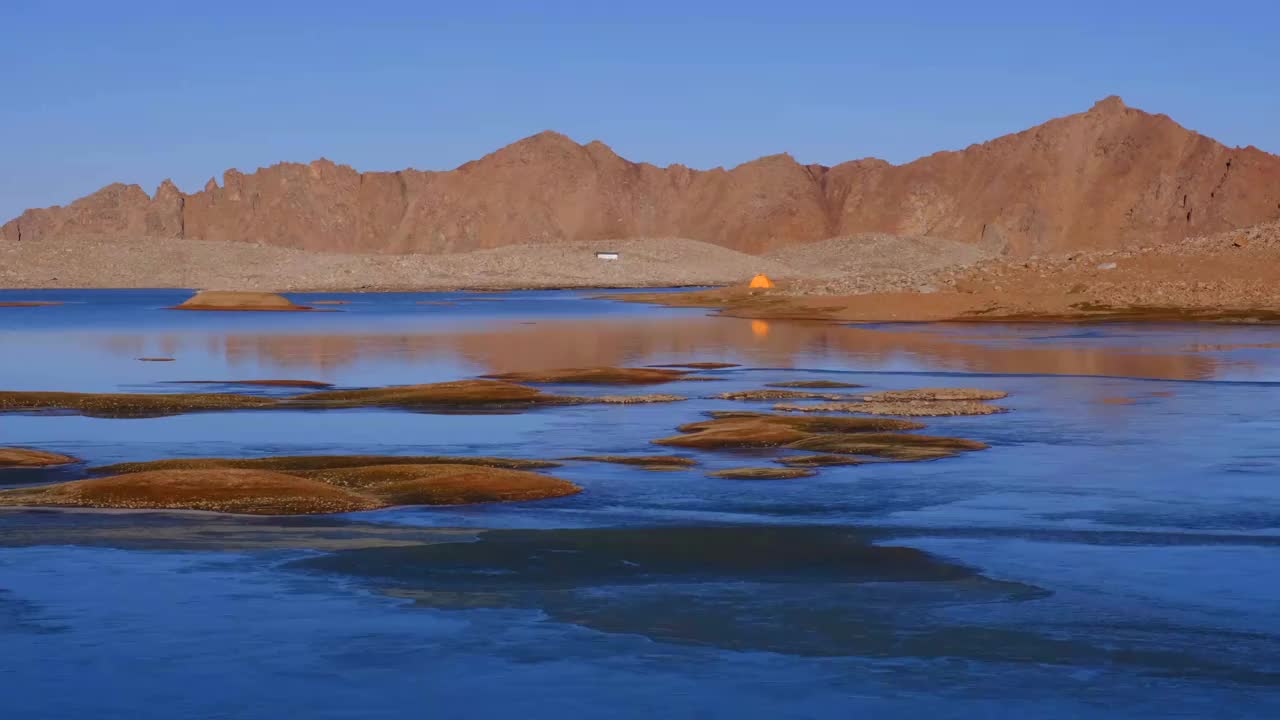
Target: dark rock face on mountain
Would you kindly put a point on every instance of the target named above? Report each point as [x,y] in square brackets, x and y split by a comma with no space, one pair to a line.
[1110,177]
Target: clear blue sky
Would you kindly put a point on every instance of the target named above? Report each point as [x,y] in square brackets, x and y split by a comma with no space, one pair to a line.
[95,92]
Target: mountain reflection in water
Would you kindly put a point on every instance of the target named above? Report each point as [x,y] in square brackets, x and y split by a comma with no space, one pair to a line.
[498,346]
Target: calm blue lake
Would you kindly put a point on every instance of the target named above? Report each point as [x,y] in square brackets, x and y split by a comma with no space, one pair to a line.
[1115,554]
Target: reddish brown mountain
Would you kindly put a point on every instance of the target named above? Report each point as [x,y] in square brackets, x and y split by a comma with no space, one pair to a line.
[1113,176]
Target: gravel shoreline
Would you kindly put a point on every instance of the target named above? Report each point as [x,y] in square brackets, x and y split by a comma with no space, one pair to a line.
[1230,276]
[244,266]
[642,263]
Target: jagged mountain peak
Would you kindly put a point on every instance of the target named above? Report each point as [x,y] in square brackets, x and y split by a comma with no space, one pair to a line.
[1109,104]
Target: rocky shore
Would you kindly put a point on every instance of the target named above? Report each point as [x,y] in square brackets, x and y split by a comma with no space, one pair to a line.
[1227,277]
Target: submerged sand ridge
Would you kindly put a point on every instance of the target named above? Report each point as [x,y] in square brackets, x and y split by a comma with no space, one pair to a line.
[259,383]
[771,394]
[905,408]
[893,446]
[814,384]
[762,430]
[661,463]
[815,461]
[762,473]
[700,365]
[461,395]
[16,457]
[127,405]
[873,437]
[351,483]
[921,402]
[936,395]
[336,484]
[457,394]
[309,463]
[596,376]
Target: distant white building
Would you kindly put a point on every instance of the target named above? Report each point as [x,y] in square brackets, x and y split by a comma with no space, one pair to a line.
[604,255]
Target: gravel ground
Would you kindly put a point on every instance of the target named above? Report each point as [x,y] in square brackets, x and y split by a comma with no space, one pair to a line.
[866,262]
[877,263]
[1240,268]
[243,266]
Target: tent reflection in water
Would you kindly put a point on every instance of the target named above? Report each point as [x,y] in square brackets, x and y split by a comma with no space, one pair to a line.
[761,281]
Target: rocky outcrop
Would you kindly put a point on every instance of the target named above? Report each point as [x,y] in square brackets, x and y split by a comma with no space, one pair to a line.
[1110,177]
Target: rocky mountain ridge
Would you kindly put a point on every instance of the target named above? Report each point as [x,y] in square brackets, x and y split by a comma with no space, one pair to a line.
[1111,177]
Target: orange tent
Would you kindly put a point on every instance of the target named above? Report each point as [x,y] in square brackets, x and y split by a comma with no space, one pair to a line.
[761,281]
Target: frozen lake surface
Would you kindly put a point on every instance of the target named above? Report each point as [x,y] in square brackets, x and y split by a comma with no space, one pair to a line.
[1115,554]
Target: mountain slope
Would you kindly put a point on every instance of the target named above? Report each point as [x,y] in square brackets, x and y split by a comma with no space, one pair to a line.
[1110,177]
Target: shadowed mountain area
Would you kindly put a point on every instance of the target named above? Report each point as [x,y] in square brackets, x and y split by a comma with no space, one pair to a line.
[1108,178]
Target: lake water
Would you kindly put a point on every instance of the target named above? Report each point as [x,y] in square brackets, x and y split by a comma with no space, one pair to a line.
[1115,554]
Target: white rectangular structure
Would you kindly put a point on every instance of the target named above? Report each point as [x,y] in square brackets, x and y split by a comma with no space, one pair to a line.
[607,256]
